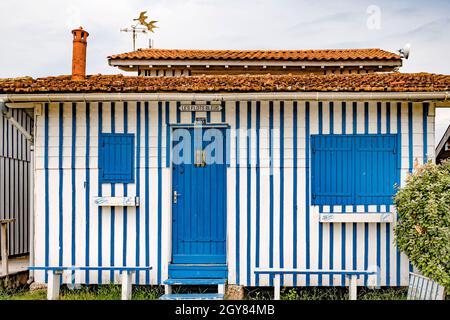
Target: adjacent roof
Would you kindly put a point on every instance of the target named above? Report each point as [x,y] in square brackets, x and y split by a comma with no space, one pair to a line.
[442,151]
[382,82]
[245,55]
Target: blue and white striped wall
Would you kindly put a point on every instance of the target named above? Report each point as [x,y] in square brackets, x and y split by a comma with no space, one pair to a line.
[270,220]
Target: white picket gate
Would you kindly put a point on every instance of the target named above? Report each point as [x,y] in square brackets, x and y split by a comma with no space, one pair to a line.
[422,288]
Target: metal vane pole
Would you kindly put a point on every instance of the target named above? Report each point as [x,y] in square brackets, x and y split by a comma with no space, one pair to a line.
[146,26]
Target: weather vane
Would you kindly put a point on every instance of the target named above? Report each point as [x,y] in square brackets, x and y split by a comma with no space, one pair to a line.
[141,27]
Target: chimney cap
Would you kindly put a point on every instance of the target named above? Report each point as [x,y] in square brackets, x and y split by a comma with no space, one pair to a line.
[80,29]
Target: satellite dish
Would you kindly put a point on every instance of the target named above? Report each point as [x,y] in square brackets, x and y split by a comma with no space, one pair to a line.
[405,51]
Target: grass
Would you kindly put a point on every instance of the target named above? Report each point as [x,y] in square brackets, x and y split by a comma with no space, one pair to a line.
[105,292]
[113,292]
[328,293]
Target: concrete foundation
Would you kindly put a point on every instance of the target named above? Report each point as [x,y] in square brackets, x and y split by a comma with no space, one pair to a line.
[235,292]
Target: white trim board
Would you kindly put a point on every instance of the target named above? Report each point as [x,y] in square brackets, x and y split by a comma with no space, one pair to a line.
[260,63]
[356,217]
[117,201]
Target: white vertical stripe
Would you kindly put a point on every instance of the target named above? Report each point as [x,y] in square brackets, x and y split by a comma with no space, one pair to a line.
[276,184]
[264,193]
[301,192]
[153,185]
[252,252]
[143,202]
[230,109]
[243,193]
[314,211]
[288,226]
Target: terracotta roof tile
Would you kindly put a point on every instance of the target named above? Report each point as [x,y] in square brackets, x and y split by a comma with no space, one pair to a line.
[382,82]
[288,55]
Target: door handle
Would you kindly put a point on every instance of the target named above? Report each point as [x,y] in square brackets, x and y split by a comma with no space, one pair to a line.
[175,196]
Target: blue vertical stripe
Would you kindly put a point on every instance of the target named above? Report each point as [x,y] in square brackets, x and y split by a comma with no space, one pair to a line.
[343,225]
[366,225]
[238,193]
[331,225]
[294,189]
[147,193]
[308,200]
[258,187]
[426,107]
[100,211]
[46,186]
[159,189]
[410,148]
[168,136]
[320,224]
[74,197]
[222,112]
[410,137]
[388,117]
[366,117]
[249,191]
[208,113]
[193,114]
[61,183]
[271,226]
[88,189]
[379,107]
[388,225]
[331,117]
[138,186]
[355,225]
[113,210]
[125,192]
[399,134]
[178,112]
[281,236]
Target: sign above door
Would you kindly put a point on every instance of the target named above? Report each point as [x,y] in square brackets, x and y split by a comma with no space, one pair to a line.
[200,108]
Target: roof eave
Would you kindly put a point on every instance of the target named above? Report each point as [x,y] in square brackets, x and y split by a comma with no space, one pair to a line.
[230,96]
[213,62]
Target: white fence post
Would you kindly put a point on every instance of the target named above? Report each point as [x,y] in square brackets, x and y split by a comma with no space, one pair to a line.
[127,285]
[4,250]
[168,289]
[277,286]
[54,282]
[353,287]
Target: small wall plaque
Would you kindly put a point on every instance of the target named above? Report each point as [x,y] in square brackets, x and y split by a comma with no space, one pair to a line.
[117,201]
[200,108]
[356,217]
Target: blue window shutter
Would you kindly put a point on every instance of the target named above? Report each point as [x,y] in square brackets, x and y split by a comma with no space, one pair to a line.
[332,163]
[377,172]
[354,169]
[116,158]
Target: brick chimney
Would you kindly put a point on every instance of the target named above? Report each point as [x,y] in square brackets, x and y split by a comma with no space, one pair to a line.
[79,54]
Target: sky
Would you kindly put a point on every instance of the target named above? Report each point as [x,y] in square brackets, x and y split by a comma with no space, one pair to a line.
[36,39]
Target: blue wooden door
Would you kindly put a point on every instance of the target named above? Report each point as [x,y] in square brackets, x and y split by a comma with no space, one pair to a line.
[199,200]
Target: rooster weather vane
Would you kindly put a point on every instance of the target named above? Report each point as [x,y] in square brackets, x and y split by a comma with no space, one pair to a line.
[141,27]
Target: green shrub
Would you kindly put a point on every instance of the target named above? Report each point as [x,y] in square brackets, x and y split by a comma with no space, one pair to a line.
[423,231]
